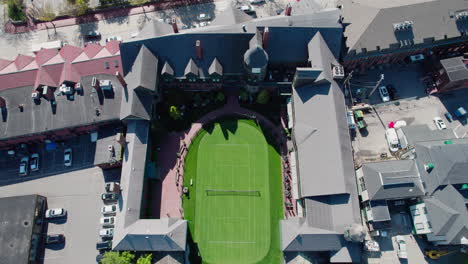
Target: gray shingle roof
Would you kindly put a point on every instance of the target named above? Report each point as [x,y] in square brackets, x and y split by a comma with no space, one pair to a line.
[393,179]
[256,57]
[380,211]
[448,215]
[230,16]
[455,68]
[450,163]
[167,69]
[370,23]
[229,43]
[215,67]
[419,133]
[143,73]
[131,232]
[38,118]
[191,68]
[322,140]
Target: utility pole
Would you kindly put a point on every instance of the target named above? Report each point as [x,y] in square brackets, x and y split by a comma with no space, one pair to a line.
[348,85]
[376,86]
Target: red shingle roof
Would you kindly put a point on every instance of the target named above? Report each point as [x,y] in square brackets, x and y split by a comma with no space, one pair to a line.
[45,55]
[22,60]
[92,49]
[113,46]
[69,53]
[4,63]
[49,75]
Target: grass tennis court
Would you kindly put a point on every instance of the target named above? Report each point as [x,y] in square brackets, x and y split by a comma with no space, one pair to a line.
[235,203]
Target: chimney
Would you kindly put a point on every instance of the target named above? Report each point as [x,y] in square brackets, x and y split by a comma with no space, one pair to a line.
[121,79]
[174,26]
[288,10]
[266,33]
[2,102]
[198,47]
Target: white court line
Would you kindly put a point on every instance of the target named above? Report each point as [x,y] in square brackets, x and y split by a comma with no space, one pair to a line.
[232,242]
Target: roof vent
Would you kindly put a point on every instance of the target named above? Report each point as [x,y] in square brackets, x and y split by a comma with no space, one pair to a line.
[35,95]
[338,72]
[407,25]
[66,89]
[110,148]
[429,167]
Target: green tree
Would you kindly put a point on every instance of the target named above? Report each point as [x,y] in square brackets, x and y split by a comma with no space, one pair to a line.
[145,259]
[138,2]
[263,97]
[243,96]
[114,257]
[220,97]
[174,113]
[16,10]
[45,13]
[82,6]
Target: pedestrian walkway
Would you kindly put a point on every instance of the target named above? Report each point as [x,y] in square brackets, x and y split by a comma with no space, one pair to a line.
[30,25]
[175,147]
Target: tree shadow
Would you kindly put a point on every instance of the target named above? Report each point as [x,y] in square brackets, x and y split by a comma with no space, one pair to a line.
[188,14]
[83,30]
[119,17]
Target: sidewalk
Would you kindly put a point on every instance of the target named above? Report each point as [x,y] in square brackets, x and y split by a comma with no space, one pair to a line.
[100,15]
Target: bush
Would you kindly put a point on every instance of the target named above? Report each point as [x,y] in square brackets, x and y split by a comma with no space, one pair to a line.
[263,97]
[16,10]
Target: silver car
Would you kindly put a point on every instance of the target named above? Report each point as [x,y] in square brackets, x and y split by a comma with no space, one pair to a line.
[24,166]
[67,157]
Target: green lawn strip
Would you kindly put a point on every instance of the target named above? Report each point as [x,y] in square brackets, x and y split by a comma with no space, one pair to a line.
[229,218]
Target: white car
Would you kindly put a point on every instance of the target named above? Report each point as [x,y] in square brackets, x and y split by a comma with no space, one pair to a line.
[439,123]
[384,94]
[392,139]
[109,209]
[401,247]
[23,169]
[203,17]
[67,157]
[247,9]
[106,232]
[34,164]
[107,221]
[54,213]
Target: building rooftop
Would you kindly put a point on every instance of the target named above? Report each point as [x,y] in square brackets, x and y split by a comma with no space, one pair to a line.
[369,24]
[81,109]
[456,68]
[17,218]
[422,133]
[393,179]
[108,136]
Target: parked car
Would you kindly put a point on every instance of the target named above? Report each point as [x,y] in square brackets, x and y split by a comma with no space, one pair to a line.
[439,123]
[384,94]
[392,139]
[417,57]
[93,34]
[55,239]
[106,232]
[109,209]
[55,213]
[401,247]
[104,245]
[34,164]
[23,169]
[247,9]
[256,1]
[109,196]
[118,38]
[67,157]
[107,221]
[203,17]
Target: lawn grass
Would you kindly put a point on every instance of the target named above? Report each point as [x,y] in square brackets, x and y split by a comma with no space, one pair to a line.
[234,155]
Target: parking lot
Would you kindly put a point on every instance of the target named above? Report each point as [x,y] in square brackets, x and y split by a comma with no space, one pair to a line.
[50,161]
[414,106]
[79,193]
